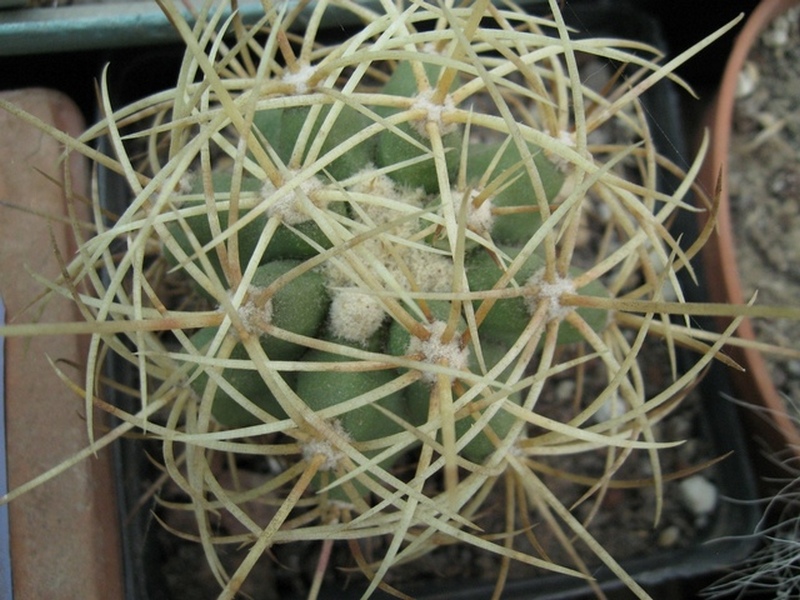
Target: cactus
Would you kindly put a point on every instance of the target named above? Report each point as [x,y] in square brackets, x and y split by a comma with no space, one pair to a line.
[387,227]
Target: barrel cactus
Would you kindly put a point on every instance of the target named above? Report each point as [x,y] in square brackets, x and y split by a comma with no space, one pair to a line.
[379,241]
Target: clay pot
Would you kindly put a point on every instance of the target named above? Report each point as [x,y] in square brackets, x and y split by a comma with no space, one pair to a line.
[768,417]
[64,535]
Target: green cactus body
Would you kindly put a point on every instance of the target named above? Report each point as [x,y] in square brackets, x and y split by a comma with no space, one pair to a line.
[392,149]
[481,446]
[247,381]
[268,123]
[200,227]
[347,123]
[515,229]
[298,237]
[508,317]
[418,394]
[324,389]
[286,244]
[300,306]
[281,128]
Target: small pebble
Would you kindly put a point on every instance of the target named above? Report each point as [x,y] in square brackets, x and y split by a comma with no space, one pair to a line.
[565,390]
[793,366]
[777,36]
[700,496]
[747,81]
[611,408]
[669,537]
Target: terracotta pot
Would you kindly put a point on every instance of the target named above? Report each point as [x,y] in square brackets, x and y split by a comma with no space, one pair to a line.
[64,536]
[770,420]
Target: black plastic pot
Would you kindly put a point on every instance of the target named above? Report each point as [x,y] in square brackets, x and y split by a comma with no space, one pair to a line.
[676,572]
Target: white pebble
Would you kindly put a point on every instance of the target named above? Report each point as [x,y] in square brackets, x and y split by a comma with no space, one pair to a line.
[669,537]
[699,495]
[565,390]
[747,81]
[777,35]
[610,409]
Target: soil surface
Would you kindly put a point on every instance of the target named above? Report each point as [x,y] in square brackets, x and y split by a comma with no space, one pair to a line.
[764,179]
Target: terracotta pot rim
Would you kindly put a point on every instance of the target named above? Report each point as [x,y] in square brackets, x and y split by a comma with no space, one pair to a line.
[720,253]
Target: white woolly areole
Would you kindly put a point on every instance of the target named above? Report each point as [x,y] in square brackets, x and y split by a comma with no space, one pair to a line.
[185,183]
[517,450]
[432,272]
[567,138]
[289,206]
[253,316]
[369,180]
[318,446]
[298,79]
[394,198]
[435,351]
[479,218]
[355,316]
[433,48]
[433,112]
[551,294]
